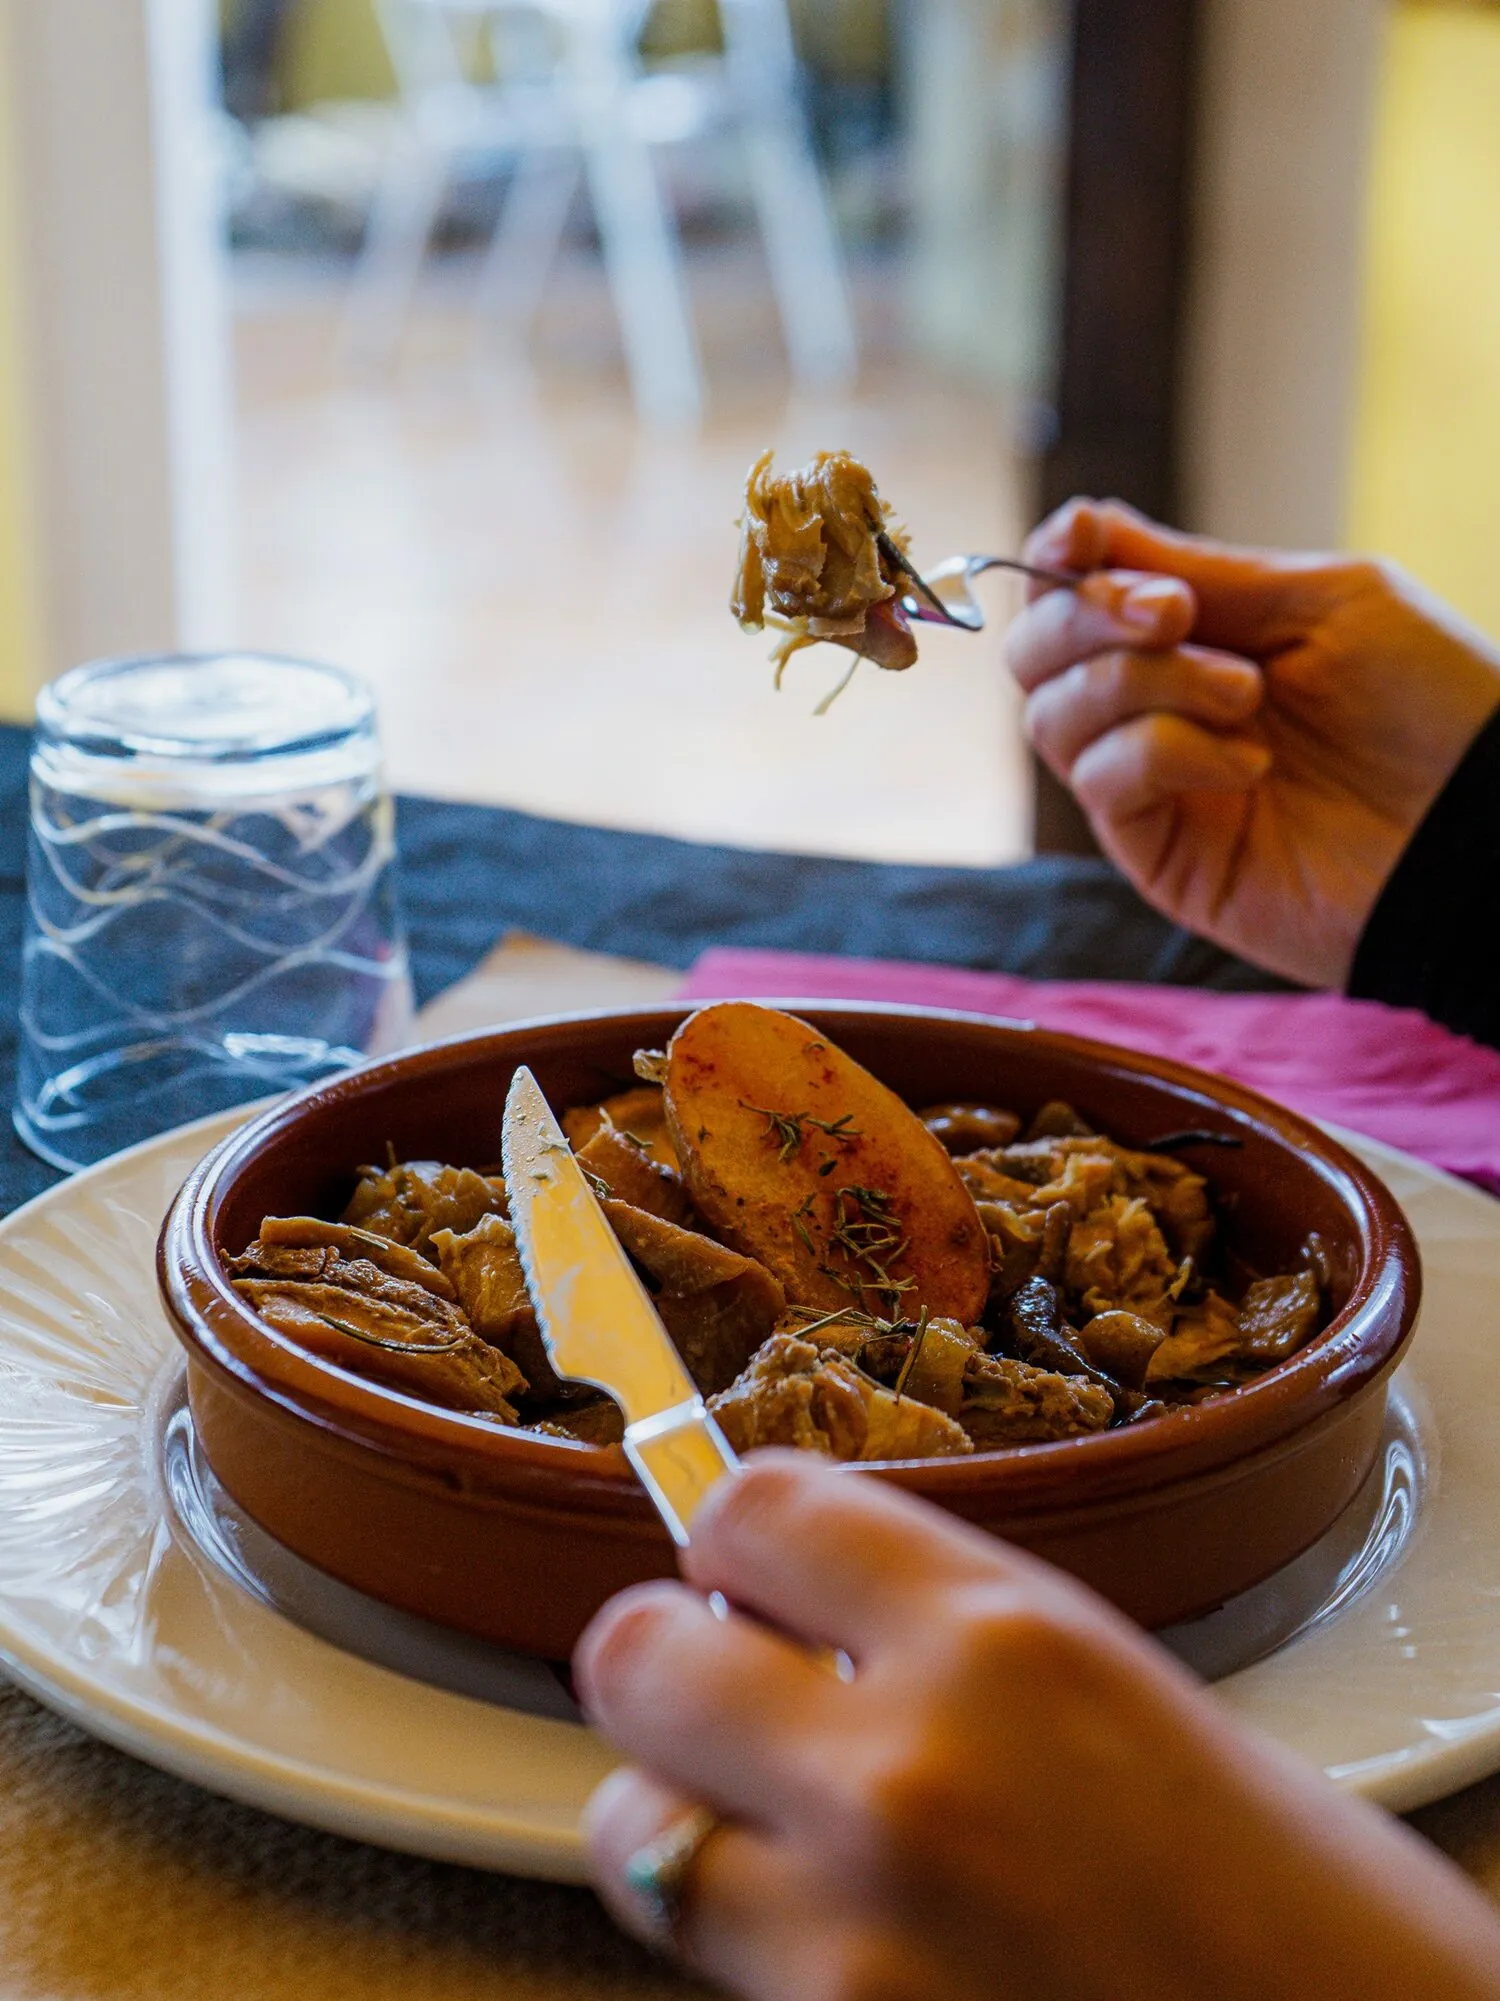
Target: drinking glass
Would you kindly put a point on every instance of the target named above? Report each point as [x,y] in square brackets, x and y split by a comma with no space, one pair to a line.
[211,896]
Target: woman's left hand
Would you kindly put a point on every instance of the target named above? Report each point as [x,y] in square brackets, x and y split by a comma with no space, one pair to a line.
[1017,1795]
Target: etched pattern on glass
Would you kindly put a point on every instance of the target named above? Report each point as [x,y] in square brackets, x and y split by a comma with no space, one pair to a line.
[184,956]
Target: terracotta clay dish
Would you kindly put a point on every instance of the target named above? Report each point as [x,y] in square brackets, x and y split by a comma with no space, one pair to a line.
[518,1537]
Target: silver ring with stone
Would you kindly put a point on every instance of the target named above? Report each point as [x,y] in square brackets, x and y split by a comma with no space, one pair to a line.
[658,1872]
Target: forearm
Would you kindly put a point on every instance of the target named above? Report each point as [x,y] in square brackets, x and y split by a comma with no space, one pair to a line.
[1360,1904]
[1432,941]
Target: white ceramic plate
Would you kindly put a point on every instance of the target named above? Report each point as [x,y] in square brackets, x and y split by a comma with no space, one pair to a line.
[136,1600]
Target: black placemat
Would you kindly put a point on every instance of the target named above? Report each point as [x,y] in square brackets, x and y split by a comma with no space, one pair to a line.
[469,873]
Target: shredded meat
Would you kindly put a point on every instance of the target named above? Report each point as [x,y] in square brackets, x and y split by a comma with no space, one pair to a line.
[934,1374]
[303,1246]
[1176,1195]
[794,1393]
[409,1200]
[1006,1402]
[810,564]
[640,1114]
[349,1319]
[1216,1343]
[717,1306]
[308,1269]
[1082,1168]
[1117,1257]
[375,1308]
[484,1268]
[1204,1346]
[998,1400]
[623,1166]
[594,1420]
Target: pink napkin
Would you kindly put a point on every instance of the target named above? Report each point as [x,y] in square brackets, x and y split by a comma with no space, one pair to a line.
[1383,1071]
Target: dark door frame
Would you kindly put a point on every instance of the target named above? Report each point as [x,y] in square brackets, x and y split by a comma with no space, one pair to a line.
[1126,258]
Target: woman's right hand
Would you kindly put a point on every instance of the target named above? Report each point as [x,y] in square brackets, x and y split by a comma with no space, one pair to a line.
[1254,737]
[1017,1796]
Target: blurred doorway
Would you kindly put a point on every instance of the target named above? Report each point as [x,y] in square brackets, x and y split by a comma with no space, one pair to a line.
[534,579]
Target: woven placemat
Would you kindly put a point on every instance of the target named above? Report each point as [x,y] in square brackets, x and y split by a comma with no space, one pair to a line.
[118,1883]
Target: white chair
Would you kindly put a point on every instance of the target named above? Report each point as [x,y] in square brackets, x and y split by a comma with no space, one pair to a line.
[571,102]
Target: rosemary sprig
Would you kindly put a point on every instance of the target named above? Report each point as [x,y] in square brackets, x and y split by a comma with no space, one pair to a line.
[845,1313]
[371,1237]
[454,1340]
[868,1231]
[800,1225]
[787,1130]
[401,1180]
[838,1278]
[838,1129]
[912,1352]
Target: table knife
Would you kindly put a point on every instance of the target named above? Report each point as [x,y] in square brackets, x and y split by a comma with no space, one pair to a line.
[596,1317]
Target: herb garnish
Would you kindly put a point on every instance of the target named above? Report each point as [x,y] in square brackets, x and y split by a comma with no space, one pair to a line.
[453,1340]
[844,1313]
[786,1129]
[912,1352]
[799,1224]
[868,1231]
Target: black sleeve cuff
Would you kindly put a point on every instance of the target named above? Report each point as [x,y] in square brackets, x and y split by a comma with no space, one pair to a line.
[1433,939]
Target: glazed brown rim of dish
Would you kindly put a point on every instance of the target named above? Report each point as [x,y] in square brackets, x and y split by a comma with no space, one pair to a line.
[1264,1417]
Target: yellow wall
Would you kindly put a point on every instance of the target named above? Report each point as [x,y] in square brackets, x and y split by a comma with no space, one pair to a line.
[334,49]
[17,630]
[1426,477]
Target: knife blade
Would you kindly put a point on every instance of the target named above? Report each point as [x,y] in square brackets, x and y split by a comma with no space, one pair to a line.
[596,1317]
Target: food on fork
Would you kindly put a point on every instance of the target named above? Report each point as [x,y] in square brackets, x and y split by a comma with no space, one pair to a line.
[839,1272]
[811,565]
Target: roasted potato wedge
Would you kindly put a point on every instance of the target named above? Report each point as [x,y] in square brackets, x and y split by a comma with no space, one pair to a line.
[797,1156]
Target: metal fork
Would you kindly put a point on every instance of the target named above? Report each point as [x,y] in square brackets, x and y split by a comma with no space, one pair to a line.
[945,595]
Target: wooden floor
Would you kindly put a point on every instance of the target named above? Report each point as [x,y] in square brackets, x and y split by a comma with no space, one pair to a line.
[537,588]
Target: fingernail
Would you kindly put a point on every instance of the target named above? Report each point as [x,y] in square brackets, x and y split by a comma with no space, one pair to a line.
[1239,690]
[1144,604]
[603,1801]
[1042,556]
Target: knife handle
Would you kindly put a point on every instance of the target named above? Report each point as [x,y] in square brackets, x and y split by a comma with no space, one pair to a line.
[679,1454]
